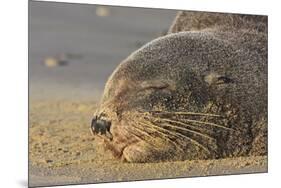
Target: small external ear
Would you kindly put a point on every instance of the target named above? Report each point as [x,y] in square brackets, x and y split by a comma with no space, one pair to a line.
[217,79]
[156,84]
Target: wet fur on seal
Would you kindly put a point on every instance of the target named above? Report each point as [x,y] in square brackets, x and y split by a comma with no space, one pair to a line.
[200,92]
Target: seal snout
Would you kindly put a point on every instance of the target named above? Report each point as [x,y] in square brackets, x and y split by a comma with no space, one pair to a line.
[101,126]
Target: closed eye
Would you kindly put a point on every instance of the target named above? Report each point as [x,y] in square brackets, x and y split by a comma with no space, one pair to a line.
[216,79]
[224,80]
[156,85]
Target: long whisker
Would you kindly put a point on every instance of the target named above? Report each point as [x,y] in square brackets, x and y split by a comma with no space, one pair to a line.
[193,121]
[209,123]
[140,130]
[185,129]
[136,135]
[157,129]
[183,136]
[186,113]
[164,135]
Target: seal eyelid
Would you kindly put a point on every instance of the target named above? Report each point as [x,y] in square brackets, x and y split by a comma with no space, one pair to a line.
[224,79]
[216,79]
[155,84]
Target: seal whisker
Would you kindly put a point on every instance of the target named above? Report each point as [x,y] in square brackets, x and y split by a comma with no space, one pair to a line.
[177,134]
[162,134]
[195,121]
[209,123]
[138,136]
[186,129]
[140,130]
[186,113]
[154,128]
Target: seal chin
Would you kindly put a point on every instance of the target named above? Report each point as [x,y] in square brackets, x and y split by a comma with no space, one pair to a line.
[101,127]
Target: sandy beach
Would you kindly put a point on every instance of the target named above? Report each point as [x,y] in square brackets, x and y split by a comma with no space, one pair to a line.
[63,151]
[62,99]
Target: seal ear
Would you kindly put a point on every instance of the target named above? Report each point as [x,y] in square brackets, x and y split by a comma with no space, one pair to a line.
[217,79]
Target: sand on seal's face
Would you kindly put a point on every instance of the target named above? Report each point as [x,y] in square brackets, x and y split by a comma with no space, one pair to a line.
[63,151]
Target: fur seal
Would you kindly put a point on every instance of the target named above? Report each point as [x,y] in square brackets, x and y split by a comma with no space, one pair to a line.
[200,92]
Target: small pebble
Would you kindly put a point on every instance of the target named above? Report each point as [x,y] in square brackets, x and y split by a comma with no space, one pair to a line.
[49,161]
[51,62]
[54,62]
[102,11]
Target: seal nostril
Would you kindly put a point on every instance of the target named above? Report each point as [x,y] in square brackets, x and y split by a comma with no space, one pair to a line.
[101,126]
[94,125]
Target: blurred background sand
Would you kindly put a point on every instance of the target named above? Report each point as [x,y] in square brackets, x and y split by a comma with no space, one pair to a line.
[92,39]
[72,51]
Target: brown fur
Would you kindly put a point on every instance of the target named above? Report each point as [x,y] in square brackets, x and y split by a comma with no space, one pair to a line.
[199,92]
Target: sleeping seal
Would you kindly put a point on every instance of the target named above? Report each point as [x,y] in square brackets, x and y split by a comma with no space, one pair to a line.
[200,92]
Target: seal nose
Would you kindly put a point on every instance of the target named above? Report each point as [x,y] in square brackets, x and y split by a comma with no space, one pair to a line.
[101,126]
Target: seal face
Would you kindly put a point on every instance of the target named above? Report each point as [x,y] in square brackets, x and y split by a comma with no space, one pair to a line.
[189,95]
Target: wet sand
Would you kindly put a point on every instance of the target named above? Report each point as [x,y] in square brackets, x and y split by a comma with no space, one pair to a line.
[63,151]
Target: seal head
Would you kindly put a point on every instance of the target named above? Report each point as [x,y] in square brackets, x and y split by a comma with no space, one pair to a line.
[188,95]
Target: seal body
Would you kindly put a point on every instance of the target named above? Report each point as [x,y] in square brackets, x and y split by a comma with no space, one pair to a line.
[192,94]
